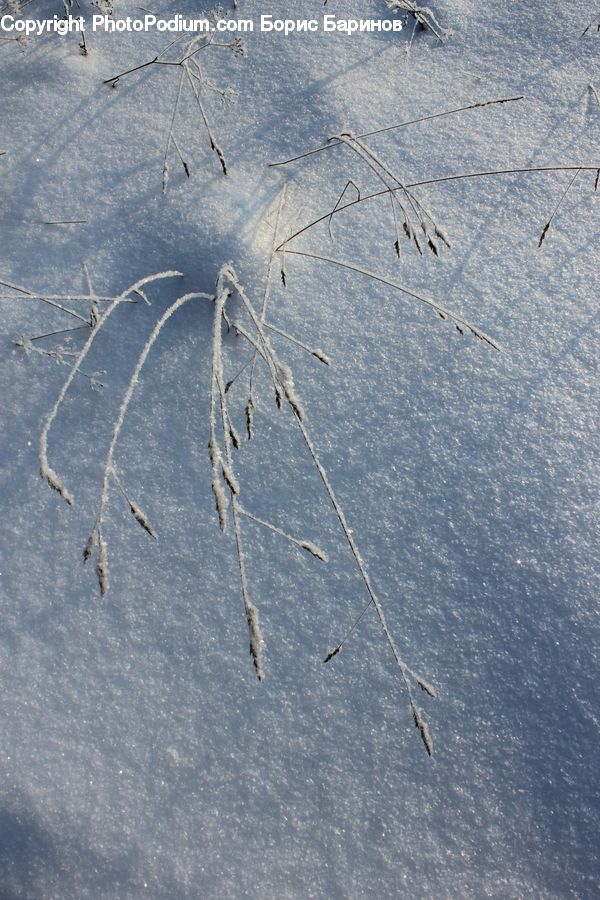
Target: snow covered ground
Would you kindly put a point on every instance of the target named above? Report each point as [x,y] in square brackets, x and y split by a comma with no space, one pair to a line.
[139,755]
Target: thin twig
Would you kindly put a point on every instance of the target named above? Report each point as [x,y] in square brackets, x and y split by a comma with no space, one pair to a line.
[170,136]
[413,184]
[449,112]
[58,355]
[304,545]
[314,351]
[38,337]
[339,200]
[556,208]
[267,291]
[442,311]
[213,143]
[46,472]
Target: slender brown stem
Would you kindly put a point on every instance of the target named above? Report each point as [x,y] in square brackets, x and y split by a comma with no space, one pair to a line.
[448,112]
[115,78]
[441,310]
[487,174]
[556,208]
[38,337]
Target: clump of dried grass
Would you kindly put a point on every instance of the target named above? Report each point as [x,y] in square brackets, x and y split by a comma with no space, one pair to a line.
[410,217]
[235,311]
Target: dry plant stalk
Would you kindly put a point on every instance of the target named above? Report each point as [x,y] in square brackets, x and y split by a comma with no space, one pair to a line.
[46,471]
[418,224]
[251,324]
[190,73]
[558,205]
[285,393]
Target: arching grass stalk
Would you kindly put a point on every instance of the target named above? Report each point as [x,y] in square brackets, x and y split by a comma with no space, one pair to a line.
[96,539]
[46,471]
[286,391]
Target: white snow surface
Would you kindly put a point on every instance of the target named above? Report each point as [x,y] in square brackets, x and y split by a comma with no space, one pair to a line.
[139,755]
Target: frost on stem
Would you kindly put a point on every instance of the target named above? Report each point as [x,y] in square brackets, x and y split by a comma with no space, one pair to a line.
[141,518]
[256,640]
[53,480]
[219,493]
[218,464]
[102,567]
[286,379]
[46,470]
[282,378]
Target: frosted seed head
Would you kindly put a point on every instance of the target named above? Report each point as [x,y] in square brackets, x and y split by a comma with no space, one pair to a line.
[141,518]
[441,234]
[53,480]
[257,642]
[425,686]
[90,546]
[221,502]
[312,548]
[230,479]
[102,567]
[322,357]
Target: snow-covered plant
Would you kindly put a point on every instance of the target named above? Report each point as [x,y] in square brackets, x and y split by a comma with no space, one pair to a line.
[112,303]
[234,311]
[418,223]
[190,76]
